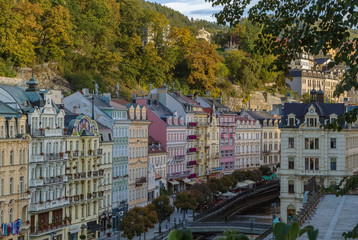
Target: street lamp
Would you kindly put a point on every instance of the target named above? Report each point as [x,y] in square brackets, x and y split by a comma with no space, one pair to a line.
[160,222]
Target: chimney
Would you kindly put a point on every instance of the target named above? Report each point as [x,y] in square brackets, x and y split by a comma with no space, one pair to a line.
[134,98]
[191,96]
[75,110]
[85,91]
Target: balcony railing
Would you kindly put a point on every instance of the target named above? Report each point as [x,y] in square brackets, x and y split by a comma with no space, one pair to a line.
[36,158]
[57,156]
[192,150]
[192,163]
[52,132]
[192,137]
[41,206]
[36,182]
[47,228]
[224,135]
[179,158]
[192,124]
[140,181]
[54,180]
[179,174]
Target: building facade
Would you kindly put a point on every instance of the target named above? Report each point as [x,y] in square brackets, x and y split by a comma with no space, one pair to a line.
[138,155]
[14,194]
[309,150]
[85,173]
[248,143]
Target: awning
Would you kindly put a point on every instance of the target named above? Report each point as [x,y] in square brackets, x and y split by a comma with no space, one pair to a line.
[93,226]
[191,182]
[173,182]
[228,194]
[274,176]
[241,184]
[74,229]
[186,180]
[266,177]
[250,182]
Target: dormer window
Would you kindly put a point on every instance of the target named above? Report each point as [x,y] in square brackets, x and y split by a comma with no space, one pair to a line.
[291,120]
[311,122]
[332,118]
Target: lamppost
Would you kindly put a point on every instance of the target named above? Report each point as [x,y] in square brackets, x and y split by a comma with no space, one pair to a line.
[160,222]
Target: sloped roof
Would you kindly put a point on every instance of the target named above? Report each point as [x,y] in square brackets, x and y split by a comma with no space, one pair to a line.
[7,111]
[260,115]
[324,110]
[120,101]
[99,102]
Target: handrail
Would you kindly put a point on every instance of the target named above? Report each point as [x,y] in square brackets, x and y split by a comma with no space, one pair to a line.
[233,199]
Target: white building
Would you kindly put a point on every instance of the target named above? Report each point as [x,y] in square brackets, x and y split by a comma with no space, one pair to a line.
[308,150]
[158,162]
[248,143]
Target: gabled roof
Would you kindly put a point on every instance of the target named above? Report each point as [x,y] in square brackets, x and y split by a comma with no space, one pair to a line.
[260,115]
[117,105]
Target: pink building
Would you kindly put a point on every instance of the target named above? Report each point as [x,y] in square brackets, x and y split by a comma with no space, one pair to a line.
[227,140]
[169,129]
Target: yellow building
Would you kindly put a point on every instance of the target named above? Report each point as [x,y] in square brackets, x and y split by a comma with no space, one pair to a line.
[213,146]
[201,118]
[84,173]
[14,196]
[138,155]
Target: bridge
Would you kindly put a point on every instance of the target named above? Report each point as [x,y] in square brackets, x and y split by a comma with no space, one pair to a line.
[240,202]
[220,227]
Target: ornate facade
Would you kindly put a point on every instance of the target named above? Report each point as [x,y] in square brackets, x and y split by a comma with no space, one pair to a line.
[14,194]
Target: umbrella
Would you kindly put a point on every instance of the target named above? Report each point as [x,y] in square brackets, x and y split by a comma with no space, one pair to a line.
[274,176]
[249,182]
[241,185]
[228,194]
[267,178]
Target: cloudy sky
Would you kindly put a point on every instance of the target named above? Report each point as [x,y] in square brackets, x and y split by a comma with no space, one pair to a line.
[192,8]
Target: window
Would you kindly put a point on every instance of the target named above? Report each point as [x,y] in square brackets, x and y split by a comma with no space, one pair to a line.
[291,142]
[311,143]
[291,186]
[291,163]
[291,122]
[311,164]
[11,157]
[311,122]
[21,184]
[11,185]
[333,143]
[333,163]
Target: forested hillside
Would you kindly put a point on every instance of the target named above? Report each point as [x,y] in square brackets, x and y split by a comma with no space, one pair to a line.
[131,43]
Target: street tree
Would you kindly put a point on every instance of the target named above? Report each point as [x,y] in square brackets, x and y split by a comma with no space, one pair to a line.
[137,221]
[199,198]
[185,201]
[163,209]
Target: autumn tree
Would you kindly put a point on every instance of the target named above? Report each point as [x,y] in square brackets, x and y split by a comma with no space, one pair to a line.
[137,221]
[163,209]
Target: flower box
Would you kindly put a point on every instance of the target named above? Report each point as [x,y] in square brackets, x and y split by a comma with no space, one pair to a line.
[41,177]
[61,154]
[42,154]
[48,128]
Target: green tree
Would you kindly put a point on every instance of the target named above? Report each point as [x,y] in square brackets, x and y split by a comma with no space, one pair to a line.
[284,231]
[163,208]
[234,235]
[185,201]
[265,170]
[199,198]
[180,235]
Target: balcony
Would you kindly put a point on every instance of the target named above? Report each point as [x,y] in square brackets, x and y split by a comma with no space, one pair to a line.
[36,230]
[36,159]
[179,158]
[192,163]
[232,135]
[48,132]
[192,138]
[224,135]
[227,124]
[74,154]
[140,181]
[36,182]
[192,150]
[55,180]
[179,174]
[192,124]
[266,152]
[193,175]
[41,206]
[56,156]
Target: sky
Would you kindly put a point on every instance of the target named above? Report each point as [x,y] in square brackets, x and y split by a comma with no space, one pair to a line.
[193,8]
